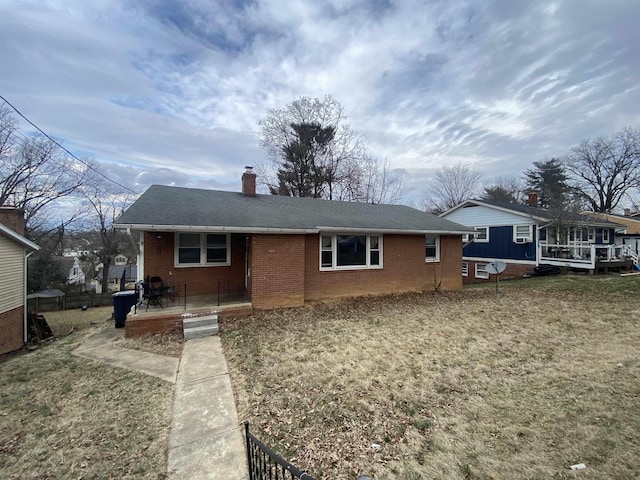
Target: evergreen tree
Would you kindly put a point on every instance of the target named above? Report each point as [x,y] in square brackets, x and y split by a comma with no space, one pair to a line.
[549,180]
[302,173]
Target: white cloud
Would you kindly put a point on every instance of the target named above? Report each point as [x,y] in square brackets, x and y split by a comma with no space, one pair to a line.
[173,90]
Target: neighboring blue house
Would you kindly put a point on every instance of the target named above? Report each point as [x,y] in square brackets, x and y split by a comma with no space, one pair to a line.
[525,236]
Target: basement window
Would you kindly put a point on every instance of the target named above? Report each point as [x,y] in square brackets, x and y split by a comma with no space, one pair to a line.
[481,270]
[202,249]
[432,248]
[350,252]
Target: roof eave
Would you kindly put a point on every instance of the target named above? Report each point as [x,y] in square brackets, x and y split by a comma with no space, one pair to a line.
[19,238]
[396,230]
[494,207]
[211,228]
[219,228]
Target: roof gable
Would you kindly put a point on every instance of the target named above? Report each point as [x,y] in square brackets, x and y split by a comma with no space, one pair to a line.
[538,214]
[176,208]
[28,244]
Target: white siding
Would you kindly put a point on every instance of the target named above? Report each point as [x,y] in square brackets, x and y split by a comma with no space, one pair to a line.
[479,215]
[11,274]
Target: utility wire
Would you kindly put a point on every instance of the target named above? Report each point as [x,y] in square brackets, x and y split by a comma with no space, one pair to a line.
[88,165]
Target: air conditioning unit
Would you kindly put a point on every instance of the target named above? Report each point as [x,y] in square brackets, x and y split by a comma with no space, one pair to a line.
[522,240]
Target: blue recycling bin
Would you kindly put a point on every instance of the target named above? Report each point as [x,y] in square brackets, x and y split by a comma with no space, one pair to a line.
[122,303]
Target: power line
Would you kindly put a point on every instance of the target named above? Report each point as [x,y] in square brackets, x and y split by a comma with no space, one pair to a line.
[89,166]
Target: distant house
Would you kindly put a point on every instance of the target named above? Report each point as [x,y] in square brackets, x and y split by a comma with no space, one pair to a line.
[279,251]
[70,269]
[120,259]
[628,234]
[525,236]
[116,272]
[14,249]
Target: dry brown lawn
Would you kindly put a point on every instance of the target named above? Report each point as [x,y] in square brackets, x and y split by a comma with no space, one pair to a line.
[63,416]
[462,385]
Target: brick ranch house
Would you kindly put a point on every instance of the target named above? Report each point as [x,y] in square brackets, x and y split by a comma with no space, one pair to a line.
[14,250]
[279,251]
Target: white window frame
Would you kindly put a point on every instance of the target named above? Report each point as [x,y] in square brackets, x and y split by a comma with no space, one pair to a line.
[591,236]
[528,237]
[605,235]
[203,250]
[436,258]
[477,239]
[482,271]
[465,269]
[334,252]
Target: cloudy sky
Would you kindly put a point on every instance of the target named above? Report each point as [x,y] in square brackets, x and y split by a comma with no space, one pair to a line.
[171,92]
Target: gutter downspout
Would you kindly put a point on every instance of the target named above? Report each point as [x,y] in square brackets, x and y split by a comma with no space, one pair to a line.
[24,294]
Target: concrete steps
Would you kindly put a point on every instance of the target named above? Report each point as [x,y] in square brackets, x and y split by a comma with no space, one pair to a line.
[199,327]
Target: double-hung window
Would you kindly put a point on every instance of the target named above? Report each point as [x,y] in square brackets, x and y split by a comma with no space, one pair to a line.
[523,233]
[432,248]
[482,236]
[349,252]
[202,249]
[605,235]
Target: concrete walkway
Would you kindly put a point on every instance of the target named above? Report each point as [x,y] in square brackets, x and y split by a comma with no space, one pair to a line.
[206,440]
[102,347]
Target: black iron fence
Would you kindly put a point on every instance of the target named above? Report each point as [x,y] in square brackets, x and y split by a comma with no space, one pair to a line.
[264,463]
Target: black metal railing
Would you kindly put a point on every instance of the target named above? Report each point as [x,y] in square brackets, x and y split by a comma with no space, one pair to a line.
[264,463]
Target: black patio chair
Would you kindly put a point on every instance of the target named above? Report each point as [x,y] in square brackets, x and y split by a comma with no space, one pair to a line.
[152,292]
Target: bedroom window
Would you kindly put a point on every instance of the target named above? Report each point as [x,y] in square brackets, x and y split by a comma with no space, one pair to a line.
[523,233]
[482,236]
[202,249]
[432,248]
[350,252]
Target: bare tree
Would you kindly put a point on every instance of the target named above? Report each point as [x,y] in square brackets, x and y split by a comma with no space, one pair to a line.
[607,169]
[341,164]
[35,173]
[106,205]
[452,184]
[377,183]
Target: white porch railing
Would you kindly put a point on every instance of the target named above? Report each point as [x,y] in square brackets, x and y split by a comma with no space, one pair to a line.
[583,256]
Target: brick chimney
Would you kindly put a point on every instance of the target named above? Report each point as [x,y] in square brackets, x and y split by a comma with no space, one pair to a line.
[13,218]
[249,182]
[627,212]
[533,199]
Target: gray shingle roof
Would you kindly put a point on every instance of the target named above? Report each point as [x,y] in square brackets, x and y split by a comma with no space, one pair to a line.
[176,208]
[116,271]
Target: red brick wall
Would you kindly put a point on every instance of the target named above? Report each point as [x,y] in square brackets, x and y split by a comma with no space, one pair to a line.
[512,271]
[404,269]
[277,271]
[285,269]
[159,260]
[136,326]
[11,326]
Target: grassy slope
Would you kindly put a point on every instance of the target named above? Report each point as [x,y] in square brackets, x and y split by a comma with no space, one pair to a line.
[63,416]
[453,385]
